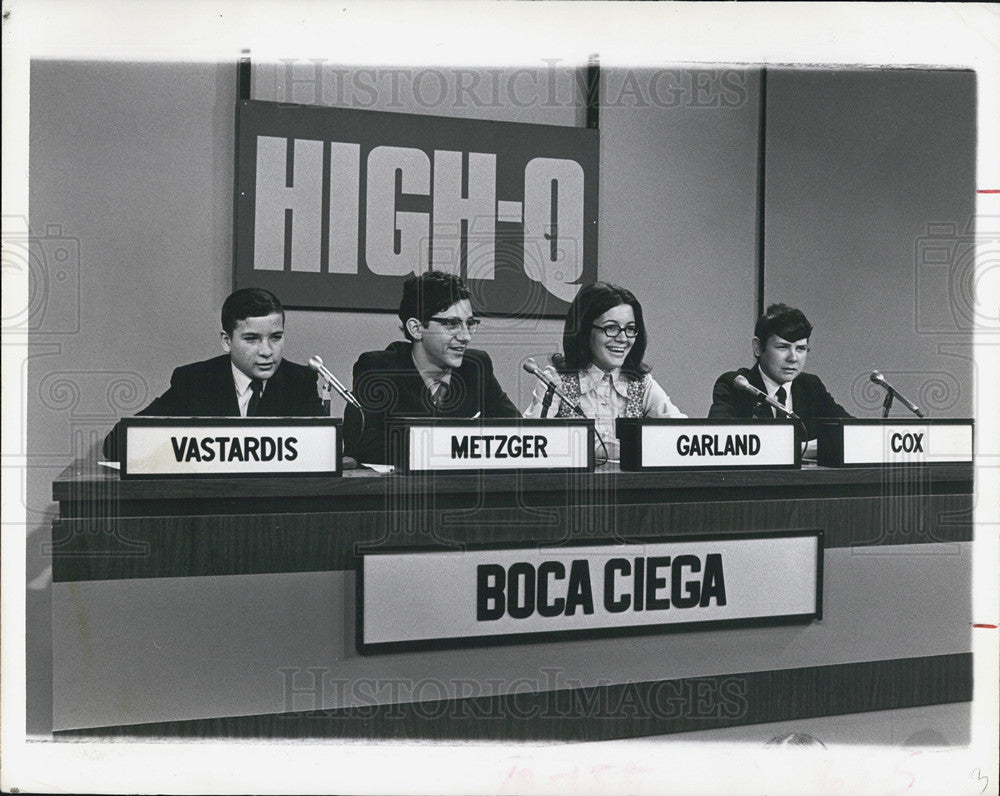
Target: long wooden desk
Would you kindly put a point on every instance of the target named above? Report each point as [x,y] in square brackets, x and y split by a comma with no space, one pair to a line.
[226,607]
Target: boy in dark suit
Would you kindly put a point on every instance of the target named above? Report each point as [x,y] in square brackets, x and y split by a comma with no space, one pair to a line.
[250,380]
[781,344]
[433,373]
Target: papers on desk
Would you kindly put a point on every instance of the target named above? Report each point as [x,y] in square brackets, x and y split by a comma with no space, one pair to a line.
[381,469]
[111,465]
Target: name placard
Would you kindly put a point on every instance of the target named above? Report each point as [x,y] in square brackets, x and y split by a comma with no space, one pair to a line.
[663,444]
[846,443]
[486,595]
[433,445]
[157,447]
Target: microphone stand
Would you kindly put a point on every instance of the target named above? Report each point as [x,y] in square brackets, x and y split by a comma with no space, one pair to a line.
[890,394]
[887,403]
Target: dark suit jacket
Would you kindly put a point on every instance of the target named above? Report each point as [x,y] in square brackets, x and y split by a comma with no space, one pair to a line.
[810,399]
[388,384]
[206,389]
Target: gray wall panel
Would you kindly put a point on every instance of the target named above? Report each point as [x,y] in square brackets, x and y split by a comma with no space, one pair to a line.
[866,172]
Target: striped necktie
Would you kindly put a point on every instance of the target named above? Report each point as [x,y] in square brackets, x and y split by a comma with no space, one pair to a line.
[440,395]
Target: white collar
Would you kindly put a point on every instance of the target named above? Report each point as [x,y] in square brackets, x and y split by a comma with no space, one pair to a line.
[429,381]
[593,376]
[771,385]
[242,381]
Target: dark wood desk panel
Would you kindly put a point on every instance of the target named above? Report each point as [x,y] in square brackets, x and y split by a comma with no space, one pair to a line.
[87,489]
[238,544]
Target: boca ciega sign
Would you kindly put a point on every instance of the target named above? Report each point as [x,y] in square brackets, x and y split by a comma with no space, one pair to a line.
[336,207]
[480,595]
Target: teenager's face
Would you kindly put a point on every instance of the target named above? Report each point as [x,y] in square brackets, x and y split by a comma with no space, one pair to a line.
[780,359]
[606,352]
[440,348]
[255,345]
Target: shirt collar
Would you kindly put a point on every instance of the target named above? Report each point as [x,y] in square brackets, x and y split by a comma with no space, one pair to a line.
[242,380]
[593,376]
[770,385]
[429,381]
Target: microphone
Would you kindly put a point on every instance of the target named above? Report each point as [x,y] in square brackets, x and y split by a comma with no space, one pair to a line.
[760,395]
[532,367]
[317,364]
[879,379]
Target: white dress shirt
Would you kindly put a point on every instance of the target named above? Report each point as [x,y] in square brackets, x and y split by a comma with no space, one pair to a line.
[243,391]
[771,386]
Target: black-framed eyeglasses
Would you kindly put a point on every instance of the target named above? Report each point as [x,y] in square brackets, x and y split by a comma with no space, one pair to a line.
[455,325]
[613,330]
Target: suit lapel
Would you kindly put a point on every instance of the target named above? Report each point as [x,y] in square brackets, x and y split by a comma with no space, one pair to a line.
[801,399]
[756,409]
[422,403]
[223,397]
[271,404]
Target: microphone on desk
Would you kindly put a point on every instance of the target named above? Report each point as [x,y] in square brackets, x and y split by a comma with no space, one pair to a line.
[879,379]
[532,367]
[317,364]
[742,383]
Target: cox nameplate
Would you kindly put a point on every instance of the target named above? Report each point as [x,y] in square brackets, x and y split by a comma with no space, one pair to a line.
[857,442]
[481,594]
[170,446]
[442,445]
[660,444]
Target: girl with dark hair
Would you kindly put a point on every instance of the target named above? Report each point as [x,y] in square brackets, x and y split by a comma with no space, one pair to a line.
[601,365]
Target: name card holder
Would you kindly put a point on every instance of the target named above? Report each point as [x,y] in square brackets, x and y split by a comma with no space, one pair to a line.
[199,447]
[665,444]
[864,442]
[516,593]
[421,445]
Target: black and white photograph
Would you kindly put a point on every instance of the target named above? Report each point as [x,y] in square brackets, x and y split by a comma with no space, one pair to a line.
[503,397]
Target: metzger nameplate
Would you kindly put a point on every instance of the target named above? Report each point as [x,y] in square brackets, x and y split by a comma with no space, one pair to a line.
[421,445]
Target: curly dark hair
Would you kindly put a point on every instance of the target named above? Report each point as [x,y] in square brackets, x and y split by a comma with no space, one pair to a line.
[427,294]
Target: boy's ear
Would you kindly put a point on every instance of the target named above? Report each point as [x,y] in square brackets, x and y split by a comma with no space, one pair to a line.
[415,328]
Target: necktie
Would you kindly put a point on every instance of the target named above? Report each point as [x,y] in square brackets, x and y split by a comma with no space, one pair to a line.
[440,394]
[780,397]
[256,389]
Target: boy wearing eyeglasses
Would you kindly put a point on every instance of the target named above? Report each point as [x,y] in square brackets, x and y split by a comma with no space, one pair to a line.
[433,373]
[601,366]
[781,345]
